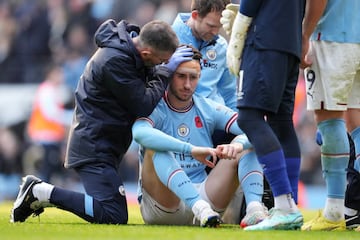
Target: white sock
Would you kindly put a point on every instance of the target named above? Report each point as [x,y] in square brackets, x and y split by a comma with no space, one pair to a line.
[334,209]
[286,203]
[254,206]
[42,191]
[199,206]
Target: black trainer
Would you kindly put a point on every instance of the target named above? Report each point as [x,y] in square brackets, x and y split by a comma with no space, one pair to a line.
[212,222]
[352,221]
[25,203]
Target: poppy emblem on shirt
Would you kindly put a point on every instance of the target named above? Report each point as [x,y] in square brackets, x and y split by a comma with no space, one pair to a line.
[183,130]
[211,54]
[198,122]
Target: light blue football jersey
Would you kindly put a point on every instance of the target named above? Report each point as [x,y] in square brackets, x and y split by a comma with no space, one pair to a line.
[194,125]
[340,22]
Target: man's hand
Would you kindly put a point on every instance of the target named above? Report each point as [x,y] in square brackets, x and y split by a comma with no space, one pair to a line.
[229,151]
[182,54]
[227,17]
[203,154]
[305,54]
[236,43]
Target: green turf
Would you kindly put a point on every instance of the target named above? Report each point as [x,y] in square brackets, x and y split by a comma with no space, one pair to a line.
[58,224]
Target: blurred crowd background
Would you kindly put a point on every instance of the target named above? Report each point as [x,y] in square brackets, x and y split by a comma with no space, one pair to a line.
[51,41]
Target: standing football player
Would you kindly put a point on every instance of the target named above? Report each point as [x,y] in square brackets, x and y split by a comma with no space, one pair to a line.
[264,51]
[332,71]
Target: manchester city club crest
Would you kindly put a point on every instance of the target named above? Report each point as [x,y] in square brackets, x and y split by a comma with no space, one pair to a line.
[211,54]
[183,130]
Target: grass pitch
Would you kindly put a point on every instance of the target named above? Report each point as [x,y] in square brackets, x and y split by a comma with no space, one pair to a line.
[58,224]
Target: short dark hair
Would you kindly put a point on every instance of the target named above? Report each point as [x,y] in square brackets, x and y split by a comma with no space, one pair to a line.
[158,35]
[197,54]
[206,6]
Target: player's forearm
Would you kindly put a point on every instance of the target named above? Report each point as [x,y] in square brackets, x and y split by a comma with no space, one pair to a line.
[157,140]
[226,89]
[313,11]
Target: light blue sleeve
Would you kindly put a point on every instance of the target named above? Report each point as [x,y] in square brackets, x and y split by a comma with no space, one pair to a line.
[243,140]
[152,138]
[227,89]
[226,119]
[234,128]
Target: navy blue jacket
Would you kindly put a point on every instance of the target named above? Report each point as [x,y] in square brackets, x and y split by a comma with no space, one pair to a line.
[113,91]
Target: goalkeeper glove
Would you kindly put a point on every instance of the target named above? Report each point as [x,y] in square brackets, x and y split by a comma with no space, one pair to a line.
[228,16]
[237,41]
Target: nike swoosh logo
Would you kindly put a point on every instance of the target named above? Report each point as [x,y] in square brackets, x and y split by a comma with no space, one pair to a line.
[351,218]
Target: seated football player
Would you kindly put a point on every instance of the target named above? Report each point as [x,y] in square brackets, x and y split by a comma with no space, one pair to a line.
[175,148]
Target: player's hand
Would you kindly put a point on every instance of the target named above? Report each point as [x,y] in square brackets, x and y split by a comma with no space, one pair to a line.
[305,54]
[227,17]
[229,151]
[236,43]
[203,154]
[182,54]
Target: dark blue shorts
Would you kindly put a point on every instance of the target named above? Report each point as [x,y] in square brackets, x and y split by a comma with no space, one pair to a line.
[269,80]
